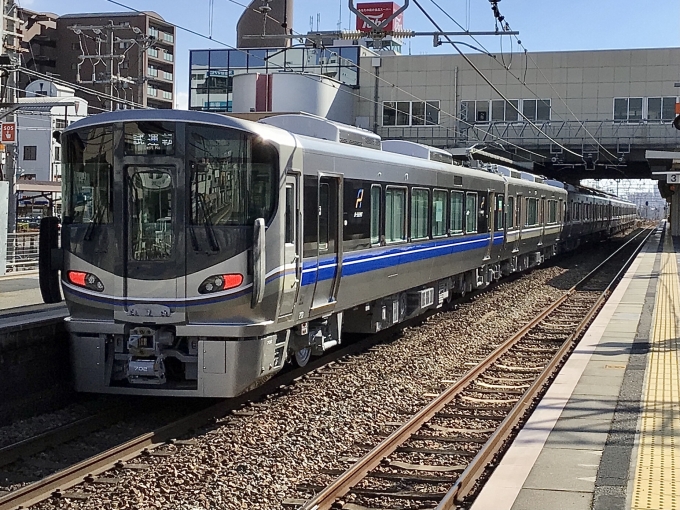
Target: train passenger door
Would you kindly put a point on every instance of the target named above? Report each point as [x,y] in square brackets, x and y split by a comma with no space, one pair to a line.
[490,212]
[329,244]
[542,218]
[291,248]
[151,222]
[519,222]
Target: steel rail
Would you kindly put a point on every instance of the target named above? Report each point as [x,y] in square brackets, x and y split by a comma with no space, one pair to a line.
[59,435]
[93,466]
[358,471]
[468,479]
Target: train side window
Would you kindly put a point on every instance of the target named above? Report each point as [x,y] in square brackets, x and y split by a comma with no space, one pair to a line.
[532,212]
[511,212]
[471,213]
[499,217]
[439,213]
[420,199]
[457,202]
[552,211]
[376,199]
[395,214]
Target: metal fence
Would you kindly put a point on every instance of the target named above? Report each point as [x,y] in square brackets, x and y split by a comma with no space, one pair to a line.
[22,252]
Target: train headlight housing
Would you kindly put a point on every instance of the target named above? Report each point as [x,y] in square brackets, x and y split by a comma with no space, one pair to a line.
[220,282]
[87,280]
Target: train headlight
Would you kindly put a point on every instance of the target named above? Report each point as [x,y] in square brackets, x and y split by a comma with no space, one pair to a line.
[220,282]
[87,280]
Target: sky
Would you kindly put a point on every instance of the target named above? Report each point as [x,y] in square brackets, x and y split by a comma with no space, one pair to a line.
[543,25]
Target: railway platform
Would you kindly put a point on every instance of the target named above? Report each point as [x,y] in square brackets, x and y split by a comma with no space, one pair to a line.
[606,435]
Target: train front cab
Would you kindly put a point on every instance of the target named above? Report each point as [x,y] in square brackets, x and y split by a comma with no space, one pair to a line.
[168,230]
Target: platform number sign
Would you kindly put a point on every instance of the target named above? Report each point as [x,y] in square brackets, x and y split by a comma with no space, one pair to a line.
[673,178]
[9,132]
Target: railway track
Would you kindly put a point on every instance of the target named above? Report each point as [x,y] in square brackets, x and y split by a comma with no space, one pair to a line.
[441,454]
[155,443]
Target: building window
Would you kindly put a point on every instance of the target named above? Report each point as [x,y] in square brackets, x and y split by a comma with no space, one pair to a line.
[410,113]
[660,108]
[153,32]
[153,52]
[30,152]
[151,91]
[59,123]
[152,71]
[628,109]
[503,111]
[167,56]
[168,38]
[536,109]
[57,154]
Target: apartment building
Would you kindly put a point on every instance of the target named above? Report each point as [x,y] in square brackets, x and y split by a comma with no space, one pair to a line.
[137,50]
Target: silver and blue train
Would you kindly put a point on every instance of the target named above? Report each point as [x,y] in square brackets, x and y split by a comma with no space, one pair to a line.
[199,253]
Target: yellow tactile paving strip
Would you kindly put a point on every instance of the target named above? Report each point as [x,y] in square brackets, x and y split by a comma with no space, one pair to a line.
[657,474]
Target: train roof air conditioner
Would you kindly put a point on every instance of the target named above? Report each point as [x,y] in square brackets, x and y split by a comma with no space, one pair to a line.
[319,127]
[417,150]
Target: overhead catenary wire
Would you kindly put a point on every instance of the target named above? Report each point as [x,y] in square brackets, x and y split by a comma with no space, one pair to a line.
[523,81]
[494,88]
[396,87]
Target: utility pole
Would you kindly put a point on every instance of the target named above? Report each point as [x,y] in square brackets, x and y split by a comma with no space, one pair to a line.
[99,45]
[10,41]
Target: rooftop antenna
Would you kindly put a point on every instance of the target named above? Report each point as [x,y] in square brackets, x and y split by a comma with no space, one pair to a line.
[318,20]
[340,17]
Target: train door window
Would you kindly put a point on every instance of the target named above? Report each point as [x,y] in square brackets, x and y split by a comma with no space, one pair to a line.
[290,214]
[532,212]
[518,217]
[376,199]
[499,216]
[151,203]
[552,211]
[471,213]
[324,216]
[457,202]
[511,212]
[439,213]
[420,199]
[395,214]
[311,215]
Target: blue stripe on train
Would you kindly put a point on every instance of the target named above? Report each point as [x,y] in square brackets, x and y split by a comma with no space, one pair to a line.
[357,263]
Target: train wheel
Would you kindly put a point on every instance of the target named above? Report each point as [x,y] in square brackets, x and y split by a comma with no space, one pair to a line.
[303,356]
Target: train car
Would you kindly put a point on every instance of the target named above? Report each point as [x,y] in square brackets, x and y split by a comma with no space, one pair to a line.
[593,214]
[200,252]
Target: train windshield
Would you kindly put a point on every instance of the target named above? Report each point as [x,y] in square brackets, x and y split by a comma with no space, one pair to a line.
[233,176]
[88,176]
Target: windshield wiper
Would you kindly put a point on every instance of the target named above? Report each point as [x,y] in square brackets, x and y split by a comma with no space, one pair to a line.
[96,221]
[209,231]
